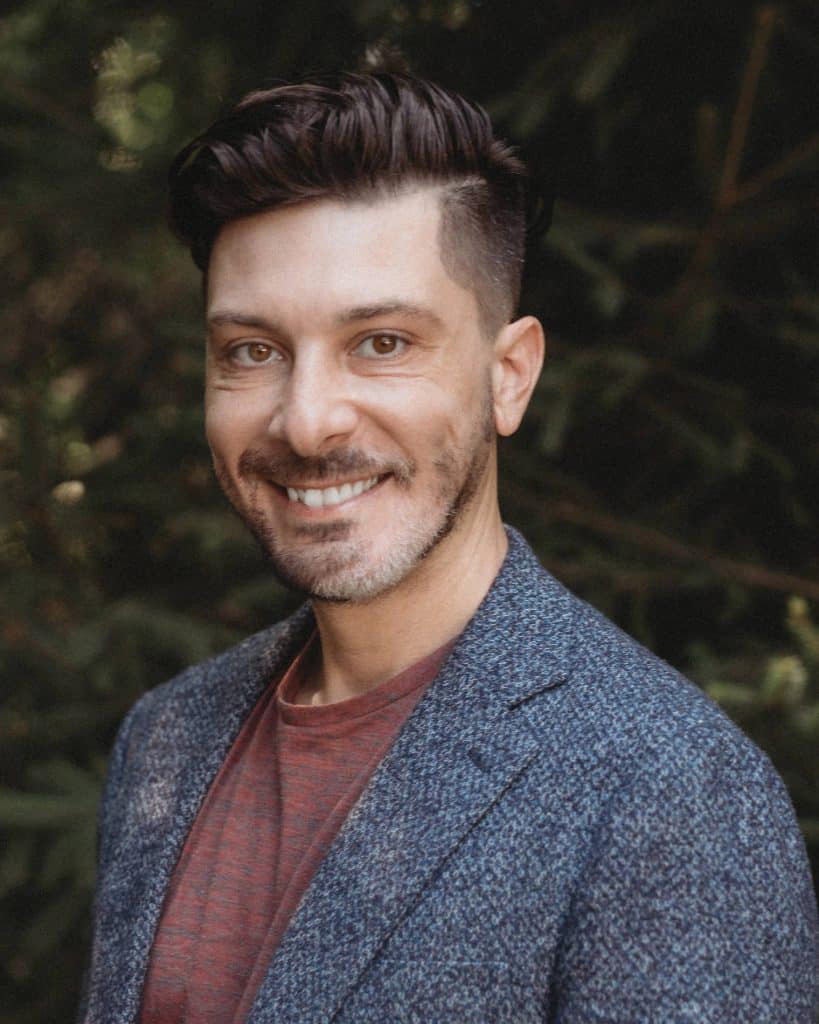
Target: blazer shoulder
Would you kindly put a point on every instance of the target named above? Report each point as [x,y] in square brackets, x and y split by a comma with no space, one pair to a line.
[189,708]
[257,655]
[575,670]
[173,726]
[619,697]
[645,750]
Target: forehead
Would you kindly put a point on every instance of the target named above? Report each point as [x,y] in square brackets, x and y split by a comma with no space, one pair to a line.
[320,255]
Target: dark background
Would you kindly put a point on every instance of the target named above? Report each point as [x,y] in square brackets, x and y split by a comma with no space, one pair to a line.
[667,470]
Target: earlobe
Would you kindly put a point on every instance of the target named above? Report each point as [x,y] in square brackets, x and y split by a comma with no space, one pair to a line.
[519,352]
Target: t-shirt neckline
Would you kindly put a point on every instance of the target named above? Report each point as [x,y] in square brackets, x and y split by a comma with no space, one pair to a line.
[413,677]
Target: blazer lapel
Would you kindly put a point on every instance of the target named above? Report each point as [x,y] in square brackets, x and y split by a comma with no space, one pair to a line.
[191,744]
[464,745]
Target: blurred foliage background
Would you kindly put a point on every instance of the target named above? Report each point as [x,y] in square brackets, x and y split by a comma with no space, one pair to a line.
[668,470]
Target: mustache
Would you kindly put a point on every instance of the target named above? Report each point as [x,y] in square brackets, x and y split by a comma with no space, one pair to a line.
[287,467]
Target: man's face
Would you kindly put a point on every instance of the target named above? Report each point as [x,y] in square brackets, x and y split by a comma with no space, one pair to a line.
[348,395]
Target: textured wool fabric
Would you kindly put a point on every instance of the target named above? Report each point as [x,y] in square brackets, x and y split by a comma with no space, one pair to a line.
[266,824]
[565,830]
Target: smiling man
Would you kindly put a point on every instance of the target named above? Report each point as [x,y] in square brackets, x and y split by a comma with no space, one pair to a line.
[446,790]
[352,421]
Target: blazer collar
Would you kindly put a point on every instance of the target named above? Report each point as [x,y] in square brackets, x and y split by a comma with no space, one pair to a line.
[521,638]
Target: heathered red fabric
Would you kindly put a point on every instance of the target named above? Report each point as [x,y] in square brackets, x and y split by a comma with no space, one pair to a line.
[289,781]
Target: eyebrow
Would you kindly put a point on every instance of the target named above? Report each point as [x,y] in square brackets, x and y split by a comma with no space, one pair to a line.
[389,307]
[227,317]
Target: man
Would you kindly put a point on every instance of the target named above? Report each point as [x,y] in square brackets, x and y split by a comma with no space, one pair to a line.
[446,789]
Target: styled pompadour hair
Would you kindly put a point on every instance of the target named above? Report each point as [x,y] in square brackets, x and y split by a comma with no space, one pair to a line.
[362,137]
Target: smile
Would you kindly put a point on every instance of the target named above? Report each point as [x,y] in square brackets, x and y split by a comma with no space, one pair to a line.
[326,497]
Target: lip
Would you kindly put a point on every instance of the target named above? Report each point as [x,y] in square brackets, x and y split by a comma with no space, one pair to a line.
[322,485]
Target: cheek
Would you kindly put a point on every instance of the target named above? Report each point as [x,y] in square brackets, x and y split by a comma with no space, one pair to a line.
[217,425]
[231,421]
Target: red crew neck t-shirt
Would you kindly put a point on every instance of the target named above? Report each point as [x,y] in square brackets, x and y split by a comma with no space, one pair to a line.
[269,818]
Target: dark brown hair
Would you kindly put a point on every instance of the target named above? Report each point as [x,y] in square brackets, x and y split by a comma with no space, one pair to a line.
[361,136]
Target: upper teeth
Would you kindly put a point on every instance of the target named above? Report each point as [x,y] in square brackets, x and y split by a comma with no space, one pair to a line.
[324,497]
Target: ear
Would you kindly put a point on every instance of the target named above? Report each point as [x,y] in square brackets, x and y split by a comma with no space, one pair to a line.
[518,357]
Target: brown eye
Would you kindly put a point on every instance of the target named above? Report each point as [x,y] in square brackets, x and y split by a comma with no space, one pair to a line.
[381,345]
[254,353]
[258,352]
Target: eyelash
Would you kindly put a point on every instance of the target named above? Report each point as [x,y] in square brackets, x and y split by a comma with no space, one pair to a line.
[234,353]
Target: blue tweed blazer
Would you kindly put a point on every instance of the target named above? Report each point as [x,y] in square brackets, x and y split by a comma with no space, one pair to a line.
[565,830]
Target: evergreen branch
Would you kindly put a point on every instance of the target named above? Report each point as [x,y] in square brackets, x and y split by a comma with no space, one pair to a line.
[20,810]
[777,170]
[40,103]
[767,18]
[698,383]
[765,22]
[735,225]
[622,580]
[649,539]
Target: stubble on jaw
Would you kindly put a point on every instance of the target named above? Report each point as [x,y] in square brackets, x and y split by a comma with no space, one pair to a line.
[306,570]
[343,575]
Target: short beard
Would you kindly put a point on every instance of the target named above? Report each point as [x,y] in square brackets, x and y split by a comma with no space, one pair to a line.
[345,574]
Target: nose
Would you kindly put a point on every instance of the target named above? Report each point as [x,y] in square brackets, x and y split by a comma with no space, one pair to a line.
[316,411]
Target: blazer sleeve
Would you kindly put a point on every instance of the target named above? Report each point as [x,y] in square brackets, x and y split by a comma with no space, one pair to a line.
[696,903]
[113,780]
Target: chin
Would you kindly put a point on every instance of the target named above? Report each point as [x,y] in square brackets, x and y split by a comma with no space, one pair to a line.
[352,571]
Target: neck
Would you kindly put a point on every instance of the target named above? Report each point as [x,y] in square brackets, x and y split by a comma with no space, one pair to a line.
[363,645]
